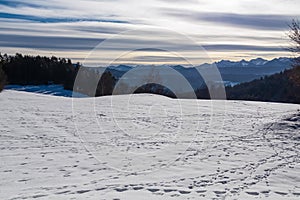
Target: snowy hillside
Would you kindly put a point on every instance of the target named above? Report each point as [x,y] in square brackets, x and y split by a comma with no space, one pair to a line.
[55,90]
[147,147]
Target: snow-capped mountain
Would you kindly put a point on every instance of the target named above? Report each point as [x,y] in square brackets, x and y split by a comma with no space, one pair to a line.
[258,62]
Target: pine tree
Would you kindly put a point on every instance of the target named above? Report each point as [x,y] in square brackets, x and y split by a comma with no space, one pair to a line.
[2,78]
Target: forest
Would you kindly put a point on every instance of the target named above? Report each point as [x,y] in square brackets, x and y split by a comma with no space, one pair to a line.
[37,70]
[281,87]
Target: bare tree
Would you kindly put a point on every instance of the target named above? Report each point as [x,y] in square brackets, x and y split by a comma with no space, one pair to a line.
[294,35]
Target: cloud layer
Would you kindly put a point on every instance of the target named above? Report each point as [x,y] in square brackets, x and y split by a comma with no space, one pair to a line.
[225,29]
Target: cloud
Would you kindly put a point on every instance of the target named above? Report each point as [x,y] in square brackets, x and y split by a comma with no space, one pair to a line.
[231,47]
[50,43]
[153,59]
[180,1]
[91,29]
[142,43]
[18,3]
[55,20]
[253,21]
[80,25]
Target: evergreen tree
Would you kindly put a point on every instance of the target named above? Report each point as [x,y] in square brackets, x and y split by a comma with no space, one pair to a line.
[2,78]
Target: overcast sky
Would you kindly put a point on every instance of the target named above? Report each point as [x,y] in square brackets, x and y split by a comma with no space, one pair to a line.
[163,31]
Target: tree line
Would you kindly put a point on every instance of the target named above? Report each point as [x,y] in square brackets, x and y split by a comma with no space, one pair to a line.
[37,70]
[280,87]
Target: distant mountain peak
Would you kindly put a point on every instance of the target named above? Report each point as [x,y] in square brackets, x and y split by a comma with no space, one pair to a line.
[121,67]
[258,61]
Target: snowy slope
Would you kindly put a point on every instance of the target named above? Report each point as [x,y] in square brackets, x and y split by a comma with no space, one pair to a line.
[146,147]
[55,90]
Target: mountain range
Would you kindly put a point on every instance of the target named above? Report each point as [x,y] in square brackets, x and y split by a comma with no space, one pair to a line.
[232,72]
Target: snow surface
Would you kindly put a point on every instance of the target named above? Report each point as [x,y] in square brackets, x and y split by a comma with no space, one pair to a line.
[55,90]
[147,147]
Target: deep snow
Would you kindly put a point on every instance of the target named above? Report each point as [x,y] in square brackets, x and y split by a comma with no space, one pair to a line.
[147,147]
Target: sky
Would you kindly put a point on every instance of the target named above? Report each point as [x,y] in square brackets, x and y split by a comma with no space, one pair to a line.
[102,32]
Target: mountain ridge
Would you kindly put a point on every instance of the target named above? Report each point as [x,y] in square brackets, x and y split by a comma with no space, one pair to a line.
[232,72]
[222,63]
